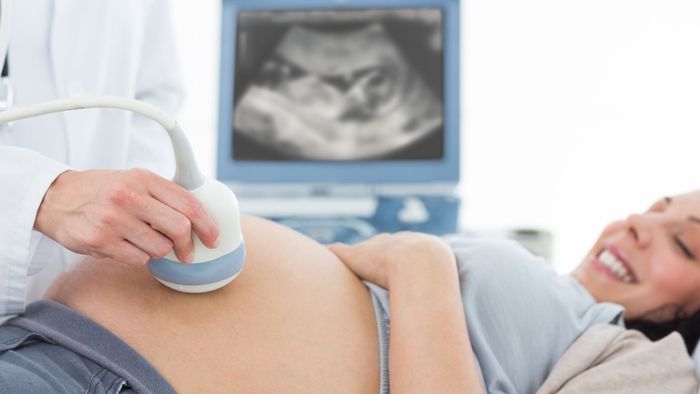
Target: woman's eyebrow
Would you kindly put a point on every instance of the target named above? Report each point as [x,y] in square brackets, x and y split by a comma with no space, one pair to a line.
[691,218]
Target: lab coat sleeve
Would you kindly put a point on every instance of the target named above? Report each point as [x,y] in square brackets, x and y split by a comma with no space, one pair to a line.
[158,83]
[25,175]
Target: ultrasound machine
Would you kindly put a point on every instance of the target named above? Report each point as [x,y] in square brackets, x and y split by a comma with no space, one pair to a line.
[340,118]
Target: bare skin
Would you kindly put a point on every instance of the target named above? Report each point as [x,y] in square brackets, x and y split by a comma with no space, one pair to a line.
[295,320]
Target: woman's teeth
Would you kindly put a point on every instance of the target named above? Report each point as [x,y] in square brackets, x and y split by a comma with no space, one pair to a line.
[616,267]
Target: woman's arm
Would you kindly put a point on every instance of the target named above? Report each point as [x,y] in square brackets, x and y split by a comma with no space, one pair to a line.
[430,347]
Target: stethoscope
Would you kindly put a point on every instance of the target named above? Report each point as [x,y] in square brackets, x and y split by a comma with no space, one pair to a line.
[6,90]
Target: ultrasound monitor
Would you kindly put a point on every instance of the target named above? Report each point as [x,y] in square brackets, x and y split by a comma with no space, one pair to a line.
[340,118]
[331,93]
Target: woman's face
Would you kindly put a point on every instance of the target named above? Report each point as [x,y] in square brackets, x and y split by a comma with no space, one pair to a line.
[649,263]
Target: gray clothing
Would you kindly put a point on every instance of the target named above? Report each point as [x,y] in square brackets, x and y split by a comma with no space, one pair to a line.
[53,349]
[521,315]
[380,300]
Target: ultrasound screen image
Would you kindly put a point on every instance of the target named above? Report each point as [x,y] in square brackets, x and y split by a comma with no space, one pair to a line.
[339,85]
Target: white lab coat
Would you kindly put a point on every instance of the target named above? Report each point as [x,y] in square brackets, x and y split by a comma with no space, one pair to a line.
[64,48]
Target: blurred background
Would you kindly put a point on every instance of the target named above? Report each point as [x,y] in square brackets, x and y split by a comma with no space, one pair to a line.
[573,113]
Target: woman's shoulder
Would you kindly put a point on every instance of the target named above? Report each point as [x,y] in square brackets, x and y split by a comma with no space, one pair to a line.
[496,255]
[512,277]
[522,314]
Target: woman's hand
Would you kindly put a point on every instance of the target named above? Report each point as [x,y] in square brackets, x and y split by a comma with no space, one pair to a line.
[381,257]
[428,327]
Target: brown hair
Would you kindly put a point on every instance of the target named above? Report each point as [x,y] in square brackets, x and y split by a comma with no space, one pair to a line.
[687,326]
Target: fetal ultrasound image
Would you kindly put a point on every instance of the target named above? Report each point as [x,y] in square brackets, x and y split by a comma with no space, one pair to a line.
[339,85]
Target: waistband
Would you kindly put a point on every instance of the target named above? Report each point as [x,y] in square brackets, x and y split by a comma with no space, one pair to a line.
[380,300]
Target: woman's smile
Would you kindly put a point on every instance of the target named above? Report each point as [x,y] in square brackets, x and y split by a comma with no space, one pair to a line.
[611,262]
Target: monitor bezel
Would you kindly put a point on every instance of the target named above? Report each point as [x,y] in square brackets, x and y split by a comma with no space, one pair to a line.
[445,170]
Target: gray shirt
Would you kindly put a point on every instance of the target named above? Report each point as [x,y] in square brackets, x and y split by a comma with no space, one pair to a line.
[521,315]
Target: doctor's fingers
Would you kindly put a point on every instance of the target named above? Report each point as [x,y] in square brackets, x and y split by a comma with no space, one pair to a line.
[125,252]
[148,239]
[181,200]
[171,224]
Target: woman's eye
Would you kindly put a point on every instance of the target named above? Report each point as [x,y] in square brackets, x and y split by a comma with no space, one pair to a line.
[686,251]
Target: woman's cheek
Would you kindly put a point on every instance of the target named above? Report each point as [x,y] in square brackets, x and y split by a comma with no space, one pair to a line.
[673,279]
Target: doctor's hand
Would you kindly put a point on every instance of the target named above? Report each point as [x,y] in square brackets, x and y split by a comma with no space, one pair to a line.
[388,256]
[131,216]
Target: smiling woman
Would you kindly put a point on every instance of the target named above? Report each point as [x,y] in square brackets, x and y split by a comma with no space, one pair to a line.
[649,264]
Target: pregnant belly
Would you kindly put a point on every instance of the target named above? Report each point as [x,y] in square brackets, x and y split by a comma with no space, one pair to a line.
[295,320]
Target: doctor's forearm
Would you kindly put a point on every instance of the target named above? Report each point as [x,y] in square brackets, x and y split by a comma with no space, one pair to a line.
[430,347]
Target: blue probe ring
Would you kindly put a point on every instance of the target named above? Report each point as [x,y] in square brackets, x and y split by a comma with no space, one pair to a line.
[212,271]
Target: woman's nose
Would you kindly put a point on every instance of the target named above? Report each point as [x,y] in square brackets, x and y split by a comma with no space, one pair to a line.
[640,229]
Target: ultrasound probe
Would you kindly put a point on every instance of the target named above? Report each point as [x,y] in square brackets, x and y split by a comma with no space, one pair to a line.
[210,269]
